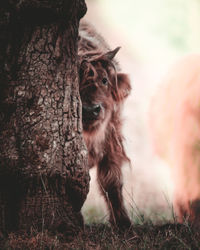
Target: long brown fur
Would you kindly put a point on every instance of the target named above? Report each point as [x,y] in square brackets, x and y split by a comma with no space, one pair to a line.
[103,90]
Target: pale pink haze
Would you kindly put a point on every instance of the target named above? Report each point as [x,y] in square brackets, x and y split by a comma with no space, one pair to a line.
[175,123]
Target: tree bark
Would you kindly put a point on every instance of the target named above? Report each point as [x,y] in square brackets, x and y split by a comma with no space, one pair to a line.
[44,177]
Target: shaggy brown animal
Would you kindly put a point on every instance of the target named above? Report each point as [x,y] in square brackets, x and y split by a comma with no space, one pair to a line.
[175,126]
[103,91]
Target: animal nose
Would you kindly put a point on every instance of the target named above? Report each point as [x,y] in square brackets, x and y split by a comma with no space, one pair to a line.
[92,110]
[96,109]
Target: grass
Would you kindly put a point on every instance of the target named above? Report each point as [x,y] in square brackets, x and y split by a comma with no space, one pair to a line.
[149,231]
[102,236]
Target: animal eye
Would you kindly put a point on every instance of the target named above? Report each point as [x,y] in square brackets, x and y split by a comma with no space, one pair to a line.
[105,81]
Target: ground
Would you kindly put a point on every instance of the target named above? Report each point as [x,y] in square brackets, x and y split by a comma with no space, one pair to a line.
[101,236]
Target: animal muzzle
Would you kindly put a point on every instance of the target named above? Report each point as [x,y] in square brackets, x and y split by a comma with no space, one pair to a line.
[91,112]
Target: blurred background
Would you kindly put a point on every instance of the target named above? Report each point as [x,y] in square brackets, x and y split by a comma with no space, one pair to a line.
[153,35]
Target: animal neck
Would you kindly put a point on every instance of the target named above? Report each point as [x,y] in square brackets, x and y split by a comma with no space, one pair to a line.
[95,138]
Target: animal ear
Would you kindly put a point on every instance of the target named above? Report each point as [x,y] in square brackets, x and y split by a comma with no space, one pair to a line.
[123,86]
[111,54]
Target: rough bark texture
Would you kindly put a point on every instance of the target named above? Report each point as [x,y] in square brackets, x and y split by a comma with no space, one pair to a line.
[43,161]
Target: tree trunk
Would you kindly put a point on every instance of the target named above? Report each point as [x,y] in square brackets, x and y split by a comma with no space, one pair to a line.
[44,178]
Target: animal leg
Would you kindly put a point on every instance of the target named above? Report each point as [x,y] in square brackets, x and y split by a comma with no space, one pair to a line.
[109,180]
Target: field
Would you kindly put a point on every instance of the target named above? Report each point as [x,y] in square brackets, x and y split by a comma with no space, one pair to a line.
[101,236]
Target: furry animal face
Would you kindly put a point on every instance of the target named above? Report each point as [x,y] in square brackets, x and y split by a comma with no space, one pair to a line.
[102,89]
